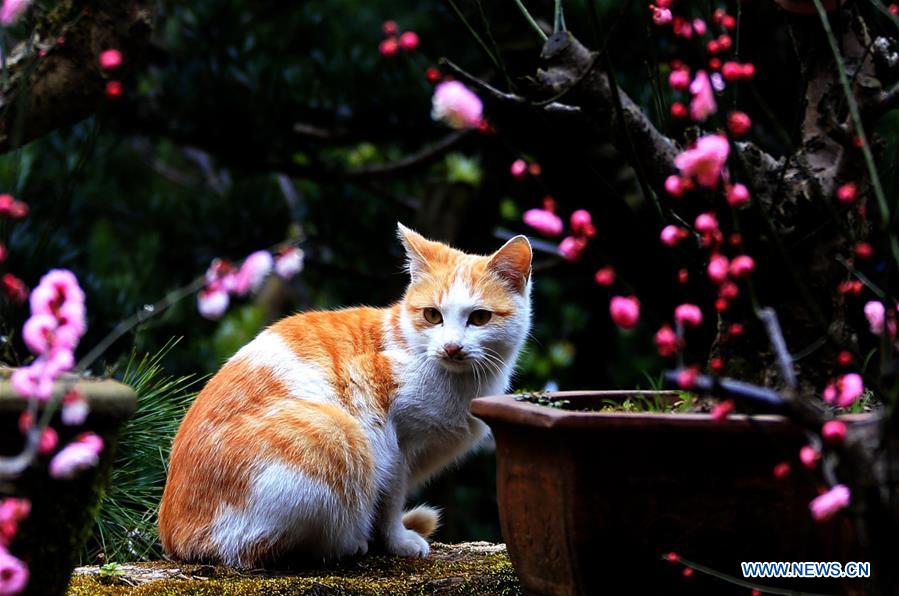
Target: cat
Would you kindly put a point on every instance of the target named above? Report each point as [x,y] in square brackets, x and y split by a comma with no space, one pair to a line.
[308,439]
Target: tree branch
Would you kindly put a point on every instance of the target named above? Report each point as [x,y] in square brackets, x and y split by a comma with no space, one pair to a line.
[67,84]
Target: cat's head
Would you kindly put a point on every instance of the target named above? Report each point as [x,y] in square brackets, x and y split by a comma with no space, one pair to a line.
[466,312]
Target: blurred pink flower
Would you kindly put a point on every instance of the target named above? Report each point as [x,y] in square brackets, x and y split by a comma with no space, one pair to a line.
[33,381]
[705,160]
[674,185]
[74,408]
[409,41]
[518,168]
[833,432]
[825,506]
[679,78]
[545,222]
[625,311]
[718,268]
[666,341]
[742,266]
[703,103]
[289,262]
[13,572]
[876,315]
[38,332]
[706,223]
[845,390]
[660,16]
[456,105]
[672,234]
[12,10]
[582,224]
[737,195]
[809,456]
[80,454]
[253,271]
[110,59]
[571,248]
[688,314]
[212,304]
[48,441]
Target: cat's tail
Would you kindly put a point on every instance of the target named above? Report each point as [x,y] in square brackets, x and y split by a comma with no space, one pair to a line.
[423,520]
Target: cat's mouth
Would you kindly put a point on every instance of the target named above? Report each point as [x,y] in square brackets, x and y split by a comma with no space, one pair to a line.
[455,363]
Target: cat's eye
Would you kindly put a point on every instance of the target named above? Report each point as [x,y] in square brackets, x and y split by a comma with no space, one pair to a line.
[479,317]
[433,316]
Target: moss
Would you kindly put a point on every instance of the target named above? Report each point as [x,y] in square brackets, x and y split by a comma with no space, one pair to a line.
[462,569]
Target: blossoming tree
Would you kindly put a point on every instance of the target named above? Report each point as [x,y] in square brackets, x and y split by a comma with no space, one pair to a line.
[785,259]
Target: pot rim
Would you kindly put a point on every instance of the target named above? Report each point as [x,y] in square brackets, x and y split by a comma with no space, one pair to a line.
[507,409]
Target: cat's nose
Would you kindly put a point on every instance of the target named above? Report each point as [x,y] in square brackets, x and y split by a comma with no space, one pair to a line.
[452,350]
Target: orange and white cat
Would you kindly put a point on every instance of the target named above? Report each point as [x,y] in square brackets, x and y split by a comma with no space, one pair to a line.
[309,438]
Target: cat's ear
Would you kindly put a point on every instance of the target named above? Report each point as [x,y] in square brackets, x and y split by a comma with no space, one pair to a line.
[419,250]
[512,263]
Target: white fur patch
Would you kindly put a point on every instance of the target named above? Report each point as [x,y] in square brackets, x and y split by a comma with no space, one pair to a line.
[288,507]
[303,379]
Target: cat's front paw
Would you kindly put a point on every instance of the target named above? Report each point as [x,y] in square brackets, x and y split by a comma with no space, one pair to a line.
[406,543]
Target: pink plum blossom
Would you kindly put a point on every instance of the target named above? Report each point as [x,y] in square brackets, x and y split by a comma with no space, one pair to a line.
[519,168]
[823,507]
[253,271]
[571,248]
[705,160]
[74,408]
[544,221]
[679,78]
[706,223]
[833,432]
[703,103]
[809,456]
[875,312]
[212,304]
[666,341]
[845,390]
[625,311]
[718,269]
[742,266]
[686,378]
[605,276]
[660,16]
[674,185]
[582,223]
[80,454]
[289,262]
[110,59]
[12,10]
[722,410]
[672,234]
[31,381]
[688,314]
[737,195]
[48,441]
[38,332]
[456,105]
[13,572]
[699,26]
[409,41]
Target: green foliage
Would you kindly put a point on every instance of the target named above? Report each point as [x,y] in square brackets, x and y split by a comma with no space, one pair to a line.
[126,526]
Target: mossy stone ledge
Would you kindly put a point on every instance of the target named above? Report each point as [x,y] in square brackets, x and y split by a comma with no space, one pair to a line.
[470,568]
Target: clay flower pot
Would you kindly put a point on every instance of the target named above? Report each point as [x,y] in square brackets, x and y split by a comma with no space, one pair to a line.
[62,514]
[590,502]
